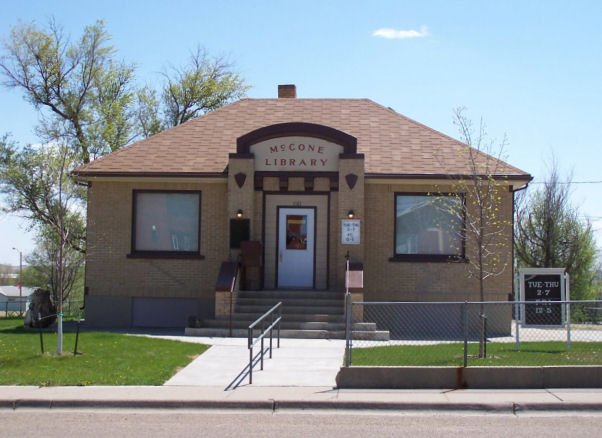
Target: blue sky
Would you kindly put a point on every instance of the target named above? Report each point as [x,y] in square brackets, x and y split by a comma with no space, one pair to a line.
[532,70]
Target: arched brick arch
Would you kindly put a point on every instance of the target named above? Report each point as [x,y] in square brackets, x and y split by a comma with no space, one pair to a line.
[348,142]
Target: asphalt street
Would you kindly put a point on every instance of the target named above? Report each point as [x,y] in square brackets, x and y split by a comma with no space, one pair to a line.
[162,423]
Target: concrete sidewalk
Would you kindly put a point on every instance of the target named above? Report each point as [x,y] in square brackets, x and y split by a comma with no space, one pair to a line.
[301,375]
[279,398]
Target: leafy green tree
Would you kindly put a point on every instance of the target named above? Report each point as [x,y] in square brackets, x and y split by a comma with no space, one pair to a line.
[88,107]
[41,270]
[31,179]
[204,84]
[84,95]
[88,104]
[36,183]
[550,234]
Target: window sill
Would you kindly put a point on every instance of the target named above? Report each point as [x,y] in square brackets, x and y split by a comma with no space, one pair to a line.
[427,258]
[165,255]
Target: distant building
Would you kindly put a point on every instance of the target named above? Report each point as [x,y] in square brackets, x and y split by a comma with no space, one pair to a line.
[10,297]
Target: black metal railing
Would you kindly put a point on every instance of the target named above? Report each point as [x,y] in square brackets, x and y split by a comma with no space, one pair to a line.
[273,317]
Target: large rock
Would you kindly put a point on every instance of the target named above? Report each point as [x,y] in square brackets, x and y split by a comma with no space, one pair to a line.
[41,312]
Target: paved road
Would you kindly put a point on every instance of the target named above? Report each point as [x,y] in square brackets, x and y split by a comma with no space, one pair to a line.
[161,423]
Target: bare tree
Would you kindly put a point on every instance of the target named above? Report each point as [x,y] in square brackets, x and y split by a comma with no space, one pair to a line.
[487,225]
[550,233]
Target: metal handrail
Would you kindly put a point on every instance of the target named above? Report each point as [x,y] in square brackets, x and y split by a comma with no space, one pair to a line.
[277,309]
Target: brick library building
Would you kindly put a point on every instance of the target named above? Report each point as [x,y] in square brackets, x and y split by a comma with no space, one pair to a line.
[266,200]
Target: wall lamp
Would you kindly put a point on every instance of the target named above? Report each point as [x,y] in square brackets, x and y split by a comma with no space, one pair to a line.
[350,214]
[239,213]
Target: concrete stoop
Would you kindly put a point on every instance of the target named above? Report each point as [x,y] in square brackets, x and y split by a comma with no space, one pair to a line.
[368,335]
[306,314]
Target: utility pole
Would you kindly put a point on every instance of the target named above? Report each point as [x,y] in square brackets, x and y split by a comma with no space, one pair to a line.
[20,281]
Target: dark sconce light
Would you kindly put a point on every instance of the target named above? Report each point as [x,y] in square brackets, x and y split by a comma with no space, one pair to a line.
[350,214]
[239,214]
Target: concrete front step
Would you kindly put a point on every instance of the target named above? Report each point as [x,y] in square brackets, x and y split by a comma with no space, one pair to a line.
[293,325]
[308,314]
[290,302]
[302,334]
[293,294]
[316,317]
[287,310]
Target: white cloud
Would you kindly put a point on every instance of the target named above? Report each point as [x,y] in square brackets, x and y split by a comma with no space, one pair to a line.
[394,34]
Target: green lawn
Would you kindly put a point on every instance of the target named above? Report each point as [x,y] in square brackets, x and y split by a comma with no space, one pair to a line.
[106,359]
[498,354]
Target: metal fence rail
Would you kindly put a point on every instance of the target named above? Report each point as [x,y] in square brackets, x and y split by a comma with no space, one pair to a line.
[266,323]
[13,308]
[450,333]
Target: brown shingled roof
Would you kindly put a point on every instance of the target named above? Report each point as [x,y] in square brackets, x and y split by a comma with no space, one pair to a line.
[393,144]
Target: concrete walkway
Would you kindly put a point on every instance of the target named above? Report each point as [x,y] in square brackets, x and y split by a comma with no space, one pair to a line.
[298,362]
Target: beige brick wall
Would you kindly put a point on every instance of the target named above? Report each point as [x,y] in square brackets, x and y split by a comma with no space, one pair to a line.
[421,281]
[109,272]
[349,199]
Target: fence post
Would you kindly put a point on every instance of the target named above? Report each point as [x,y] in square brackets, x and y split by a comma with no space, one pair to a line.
[76,337]
[567,297]
[348,329]
[568,326]
[517,318]
[41,333]
[465,327]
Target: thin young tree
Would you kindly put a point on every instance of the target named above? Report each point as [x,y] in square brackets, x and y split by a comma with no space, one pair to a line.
[487,223]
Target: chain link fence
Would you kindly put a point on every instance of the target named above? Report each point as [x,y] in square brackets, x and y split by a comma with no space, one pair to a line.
[474,333]
[11,308]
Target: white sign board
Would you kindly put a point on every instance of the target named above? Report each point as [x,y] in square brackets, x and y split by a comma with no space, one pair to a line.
[350,231]
[296,154]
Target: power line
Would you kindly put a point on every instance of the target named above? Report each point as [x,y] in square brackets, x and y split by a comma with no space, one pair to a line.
[567,182]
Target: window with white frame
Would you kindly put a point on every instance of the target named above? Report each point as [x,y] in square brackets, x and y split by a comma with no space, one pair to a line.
[428,226]
[166,222]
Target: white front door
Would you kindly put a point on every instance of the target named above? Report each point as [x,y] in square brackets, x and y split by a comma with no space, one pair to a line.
[296,243]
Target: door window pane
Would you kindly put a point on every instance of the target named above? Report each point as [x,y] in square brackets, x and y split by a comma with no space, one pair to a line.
[296,231]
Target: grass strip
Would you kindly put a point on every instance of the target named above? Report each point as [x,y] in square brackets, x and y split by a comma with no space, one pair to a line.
[498,354]
[106,359]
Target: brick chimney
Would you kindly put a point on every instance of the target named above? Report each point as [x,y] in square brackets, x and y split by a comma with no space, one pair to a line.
[287,91]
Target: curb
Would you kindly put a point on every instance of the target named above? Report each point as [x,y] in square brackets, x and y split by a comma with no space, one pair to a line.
[274,405]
